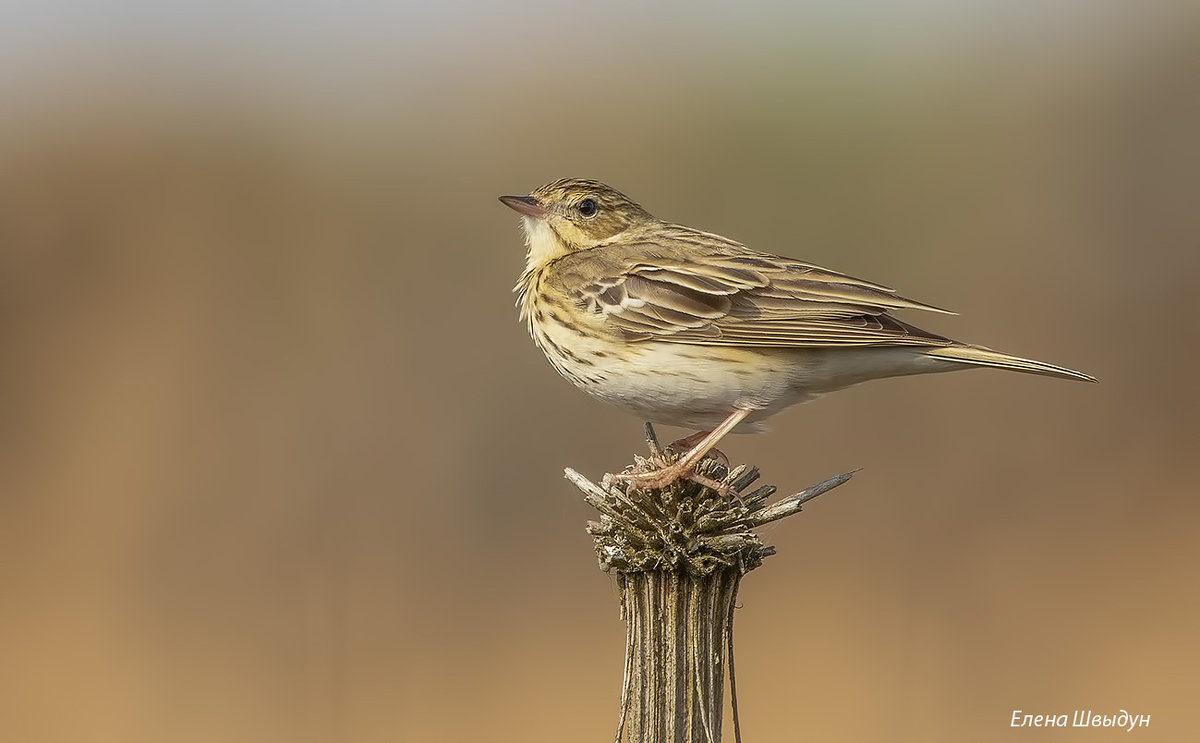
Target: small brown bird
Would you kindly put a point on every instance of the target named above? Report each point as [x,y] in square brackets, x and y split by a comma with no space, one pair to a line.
[688,328]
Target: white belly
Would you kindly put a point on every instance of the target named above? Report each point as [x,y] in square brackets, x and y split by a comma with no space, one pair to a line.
[696,386]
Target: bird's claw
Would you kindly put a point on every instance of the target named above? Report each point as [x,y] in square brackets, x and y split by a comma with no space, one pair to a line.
[664,476]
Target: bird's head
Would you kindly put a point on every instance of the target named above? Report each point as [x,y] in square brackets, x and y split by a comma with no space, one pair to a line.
[573,214]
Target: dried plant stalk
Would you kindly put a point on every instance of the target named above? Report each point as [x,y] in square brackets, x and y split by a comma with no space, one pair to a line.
[679,555]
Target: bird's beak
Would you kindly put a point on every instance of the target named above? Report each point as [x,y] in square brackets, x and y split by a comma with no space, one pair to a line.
[525,205]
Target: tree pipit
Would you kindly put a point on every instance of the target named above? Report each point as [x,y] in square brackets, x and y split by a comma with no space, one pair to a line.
[692,329]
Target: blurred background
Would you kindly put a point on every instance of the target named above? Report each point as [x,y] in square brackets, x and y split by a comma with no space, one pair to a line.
[278,463]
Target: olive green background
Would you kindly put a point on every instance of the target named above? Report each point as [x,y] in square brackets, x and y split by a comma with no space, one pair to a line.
[278,463]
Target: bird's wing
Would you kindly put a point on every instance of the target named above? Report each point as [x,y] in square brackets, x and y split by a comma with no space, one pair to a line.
[748,299]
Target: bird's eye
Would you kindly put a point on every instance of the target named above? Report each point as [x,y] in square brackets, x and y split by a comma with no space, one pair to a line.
[587,207]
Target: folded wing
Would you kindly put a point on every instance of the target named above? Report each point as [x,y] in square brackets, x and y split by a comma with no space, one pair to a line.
[749,299]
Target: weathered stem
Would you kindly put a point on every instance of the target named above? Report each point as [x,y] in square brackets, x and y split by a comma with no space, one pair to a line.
[677,632]
[679,555]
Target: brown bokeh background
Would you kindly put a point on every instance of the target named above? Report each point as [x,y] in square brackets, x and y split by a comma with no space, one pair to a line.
[278,463]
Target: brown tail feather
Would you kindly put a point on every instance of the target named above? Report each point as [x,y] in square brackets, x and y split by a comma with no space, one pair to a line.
[986,357]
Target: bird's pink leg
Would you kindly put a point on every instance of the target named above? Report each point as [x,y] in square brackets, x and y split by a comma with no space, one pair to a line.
[686,443]
[684,466]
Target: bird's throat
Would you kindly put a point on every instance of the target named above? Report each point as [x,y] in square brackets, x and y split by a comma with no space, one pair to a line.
[543,243]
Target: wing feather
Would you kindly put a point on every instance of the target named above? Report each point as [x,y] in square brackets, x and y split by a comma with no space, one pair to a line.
[747,299]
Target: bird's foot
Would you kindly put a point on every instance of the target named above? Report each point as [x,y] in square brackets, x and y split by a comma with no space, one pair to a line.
[697,447]
[665,476]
